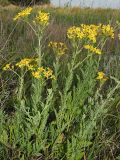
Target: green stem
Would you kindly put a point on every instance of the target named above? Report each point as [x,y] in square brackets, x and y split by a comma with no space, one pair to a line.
[21,84]
[71,69]
[56,69]
[39,51]
[78,64]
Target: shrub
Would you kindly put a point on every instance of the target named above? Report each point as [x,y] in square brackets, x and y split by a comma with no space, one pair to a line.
[60,106]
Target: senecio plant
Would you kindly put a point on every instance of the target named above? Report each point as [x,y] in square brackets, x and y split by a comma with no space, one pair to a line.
[60,115]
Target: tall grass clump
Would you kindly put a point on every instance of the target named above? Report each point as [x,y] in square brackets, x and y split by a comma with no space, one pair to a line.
[62,98]
[4,2]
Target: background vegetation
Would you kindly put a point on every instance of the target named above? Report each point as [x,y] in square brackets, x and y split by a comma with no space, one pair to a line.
[23,2]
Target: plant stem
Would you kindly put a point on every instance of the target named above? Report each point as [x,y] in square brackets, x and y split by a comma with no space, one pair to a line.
[39,50]
[21,84]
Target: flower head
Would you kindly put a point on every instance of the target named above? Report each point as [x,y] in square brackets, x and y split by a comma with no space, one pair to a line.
[90,32]
[48,73]
[8,66]
[43,73]
[107,30]
[23,13]
[58,47]
[24,63]
[75,33]
[36,74]
[42,18]
[31,67]
[101,76]
[92,49]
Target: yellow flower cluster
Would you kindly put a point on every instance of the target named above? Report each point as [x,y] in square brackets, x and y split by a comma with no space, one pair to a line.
[92,49]
[24,63]
[58,47]
[31,64]
[90,32]
[101,76]
[48,73]
[37,74]
[75,32]
[8,66]
[107,30]
[23,13]
[42,18]
[41,72]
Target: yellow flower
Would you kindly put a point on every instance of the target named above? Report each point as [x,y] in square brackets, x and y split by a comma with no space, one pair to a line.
[23,13]
[90,31]
[36,74]
[101,76]
[42,18]
[24,63]
[48,73]
[41,69]
[75,33]
[107,30]
[30,67]
[45,73]
[92,49]
[119,36]
[58,47]
[8,67]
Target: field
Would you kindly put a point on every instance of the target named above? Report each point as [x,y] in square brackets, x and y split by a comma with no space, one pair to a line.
[59,84]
